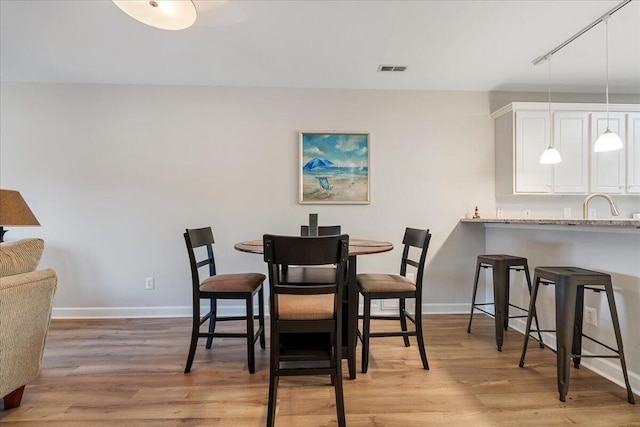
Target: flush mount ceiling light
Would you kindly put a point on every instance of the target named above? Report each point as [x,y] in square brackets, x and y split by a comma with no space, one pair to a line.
[550,156]
[608,141]
[163,14]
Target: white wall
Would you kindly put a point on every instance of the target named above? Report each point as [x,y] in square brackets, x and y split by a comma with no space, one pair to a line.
[116,173]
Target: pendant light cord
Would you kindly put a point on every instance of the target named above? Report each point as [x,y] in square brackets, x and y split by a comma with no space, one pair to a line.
[606,26]
[549,86]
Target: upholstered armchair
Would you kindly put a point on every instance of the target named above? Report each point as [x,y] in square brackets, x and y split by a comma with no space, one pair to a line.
[26,297]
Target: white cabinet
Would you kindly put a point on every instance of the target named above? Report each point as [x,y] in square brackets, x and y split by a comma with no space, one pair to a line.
[607,169]
[522,134]
[532,138]
[571,139]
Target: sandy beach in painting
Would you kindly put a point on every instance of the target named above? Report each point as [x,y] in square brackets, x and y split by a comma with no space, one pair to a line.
[346,187]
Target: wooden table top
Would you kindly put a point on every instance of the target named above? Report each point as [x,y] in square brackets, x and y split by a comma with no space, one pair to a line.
[356,246]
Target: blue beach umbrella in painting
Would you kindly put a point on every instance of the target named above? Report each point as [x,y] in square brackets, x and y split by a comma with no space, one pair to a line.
[317,163]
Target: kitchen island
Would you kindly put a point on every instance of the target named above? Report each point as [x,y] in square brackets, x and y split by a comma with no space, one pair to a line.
[608,245]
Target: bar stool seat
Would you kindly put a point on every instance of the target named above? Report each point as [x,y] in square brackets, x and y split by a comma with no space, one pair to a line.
[570,283]
[501,265]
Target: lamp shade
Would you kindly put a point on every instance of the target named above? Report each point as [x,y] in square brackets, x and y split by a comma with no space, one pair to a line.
[550,156]
[14,211]
[608,141]
[163,14]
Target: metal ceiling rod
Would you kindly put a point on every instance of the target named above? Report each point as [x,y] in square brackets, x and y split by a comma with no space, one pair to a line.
[542,58]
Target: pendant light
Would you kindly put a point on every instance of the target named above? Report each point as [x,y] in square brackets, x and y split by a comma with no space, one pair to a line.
[608,141]
[550,156]
[163,14]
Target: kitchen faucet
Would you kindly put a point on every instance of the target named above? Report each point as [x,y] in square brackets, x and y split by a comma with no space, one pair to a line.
[585,204]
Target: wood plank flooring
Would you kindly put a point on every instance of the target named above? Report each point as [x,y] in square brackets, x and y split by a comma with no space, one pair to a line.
[122,372]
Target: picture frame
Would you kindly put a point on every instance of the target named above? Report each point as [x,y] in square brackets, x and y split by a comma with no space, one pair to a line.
[334,167]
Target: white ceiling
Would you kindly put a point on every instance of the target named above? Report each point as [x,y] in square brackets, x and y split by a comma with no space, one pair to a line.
[446,45]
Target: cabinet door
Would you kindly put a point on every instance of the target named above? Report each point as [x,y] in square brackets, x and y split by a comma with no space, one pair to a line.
[607,169]
[571,139]
[633,153]
[532,138]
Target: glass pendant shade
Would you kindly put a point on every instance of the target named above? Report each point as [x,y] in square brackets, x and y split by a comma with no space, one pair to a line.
[608,141]
[550,156]
[163,14]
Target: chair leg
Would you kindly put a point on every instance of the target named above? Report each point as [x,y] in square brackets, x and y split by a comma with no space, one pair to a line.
[566,297]
[366,323]
[195,329]
[261,317]
[337,383]
[506,299]
[473,298]
[403,320]
[576,348]
[532,312]
[212,321]
[251,357]
[13,399]
[420,335]
[535,316]
[273,376]
[616,329]
[273,394]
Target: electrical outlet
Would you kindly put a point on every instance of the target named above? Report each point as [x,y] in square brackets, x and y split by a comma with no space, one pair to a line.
[527,213]
[150,283]
[567,213]
[499,213]
[591,316]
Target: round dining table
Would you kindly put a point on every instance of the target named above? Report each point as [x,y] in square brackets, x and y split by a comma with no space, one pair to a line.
[350,305]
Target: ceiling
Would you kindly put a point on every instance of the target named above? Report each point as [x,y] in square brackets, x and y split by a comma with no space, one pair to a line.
[446,45]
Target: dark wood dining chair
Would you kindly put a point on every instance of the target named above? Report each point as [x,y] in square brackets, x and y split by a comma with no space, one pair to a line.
[306,316]
[376,286]
[216,287]
[323,230]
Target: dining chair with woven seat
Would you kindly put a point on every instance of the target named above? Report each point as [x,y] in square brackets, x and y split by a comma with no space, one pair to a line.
[243,286]
[377,286]
[306,316]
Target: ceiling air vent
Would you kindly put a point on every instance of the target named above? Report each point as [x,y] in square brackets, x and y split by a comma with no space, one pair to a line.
[392,68]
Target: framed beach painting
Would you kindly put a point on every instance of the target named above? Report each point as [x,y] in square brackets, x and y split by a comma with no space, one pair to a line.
[334,167]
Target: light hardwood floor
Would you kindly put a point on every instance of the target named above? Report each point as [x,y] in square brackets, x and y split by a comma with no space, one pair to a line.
[130,373]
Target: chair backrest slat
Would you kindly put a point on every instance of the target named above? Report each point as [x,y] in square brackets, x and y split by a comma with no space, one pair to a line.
[197,238]
[201,237]
[415,238]
[293,250]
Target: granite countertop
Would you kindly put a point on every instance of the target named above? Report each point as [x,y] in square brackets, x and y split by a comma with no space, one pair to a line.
[605,222]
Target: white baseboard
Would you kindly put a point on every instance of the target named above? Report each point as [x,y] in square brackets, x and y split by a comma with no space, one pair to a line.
[135,312]
[185,311]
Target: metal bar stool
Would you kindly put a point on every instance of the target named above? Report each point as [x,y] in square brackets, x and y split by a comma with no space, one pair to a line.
[502,265]
[570,283]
